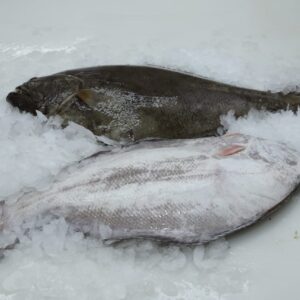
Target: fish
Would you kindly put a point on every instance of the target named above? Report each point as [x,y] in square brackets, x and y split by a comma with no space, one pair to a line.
[188,191]
[131,103]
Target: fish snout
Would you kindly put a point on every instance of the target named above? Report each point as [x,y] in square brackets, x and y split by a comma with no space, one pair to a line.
[23,101]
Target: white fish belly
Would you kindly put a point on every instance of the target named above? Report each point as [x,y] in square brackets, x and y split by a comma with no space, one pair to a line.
[189,191]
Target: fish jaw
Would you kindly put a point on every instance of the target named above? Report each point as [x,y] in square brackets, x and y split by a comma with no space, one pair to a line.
[22,101]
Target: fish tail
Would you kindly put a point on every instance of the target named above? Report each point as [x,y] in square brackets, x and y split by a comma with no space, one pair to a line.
[292,101]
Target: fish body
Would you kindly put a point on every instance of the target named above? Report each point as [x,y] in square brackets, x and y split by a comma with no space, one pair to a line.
[137,102]
[186,191]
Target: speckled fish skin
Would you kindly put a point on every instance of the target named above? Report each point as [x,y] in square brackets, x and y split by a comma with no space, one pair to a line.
[186,191]
[137,102]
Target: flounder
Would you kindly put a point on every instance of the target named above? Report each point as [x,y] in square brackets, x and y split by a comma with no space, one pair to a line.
[186,191]
[137,102]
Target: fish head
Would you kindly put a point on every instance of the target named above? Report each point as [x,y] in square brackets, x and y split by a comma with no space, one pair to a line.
[45,94]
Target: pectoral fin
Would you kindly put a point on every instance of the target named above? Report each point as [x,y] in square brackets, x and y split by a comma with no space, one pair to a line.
[87,96]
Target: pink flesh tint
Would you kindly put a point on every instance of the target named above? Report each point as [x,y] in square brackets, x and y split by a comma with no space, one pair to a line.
[230,150]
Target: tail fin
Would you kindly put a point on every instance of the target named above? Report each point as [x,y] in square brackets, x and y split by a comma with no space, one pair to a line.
[292,101]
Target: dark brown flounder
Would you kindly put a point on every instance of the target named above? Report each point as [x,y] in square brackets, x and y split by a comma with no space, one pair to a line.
[136,102]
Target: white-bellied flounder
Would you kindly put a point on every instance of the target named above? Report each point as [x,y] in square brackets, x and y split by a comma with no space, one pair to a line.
[187,191]
[136,102]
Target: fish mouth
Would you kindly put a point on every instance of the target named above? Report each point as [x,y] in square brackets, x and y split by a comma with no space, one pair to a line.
[23,100]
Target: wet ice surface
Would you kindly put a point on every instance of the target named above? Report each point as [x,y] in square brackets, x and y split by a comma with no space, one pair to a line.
[249,43]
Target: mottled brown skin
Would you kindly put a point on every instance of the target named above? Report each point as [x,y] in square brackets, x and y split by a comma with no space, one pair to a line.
[186,106]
